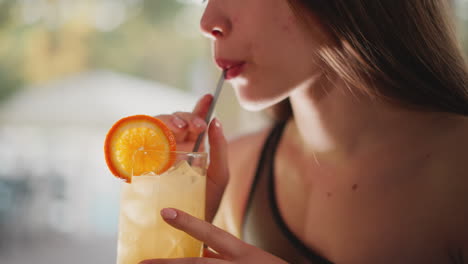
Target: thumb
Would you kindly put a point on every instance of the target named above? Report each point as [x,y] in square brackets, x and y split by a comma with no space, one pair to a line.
[218,171]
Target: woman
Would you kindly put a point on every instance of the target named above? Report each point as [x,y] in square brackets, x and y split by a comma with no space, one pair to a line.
[370,167]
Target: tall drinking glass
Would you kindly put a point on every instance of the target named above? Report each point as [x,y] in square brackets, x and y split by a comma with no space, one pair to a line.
[143,234]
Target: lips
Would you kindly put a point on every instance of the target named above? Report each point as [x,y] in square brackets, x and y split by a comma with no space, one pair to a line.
[233,68]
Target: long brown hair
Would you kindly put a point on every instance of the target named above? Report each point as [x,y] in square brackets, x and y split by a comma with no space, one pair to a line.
[402,51]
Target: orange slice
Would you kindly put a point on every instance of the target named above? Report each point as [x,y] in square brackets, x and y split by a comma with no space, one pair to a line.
[134,133]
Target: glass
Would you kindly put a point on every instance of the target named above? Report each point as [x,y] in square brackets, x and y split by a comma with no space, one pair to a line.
[143,234]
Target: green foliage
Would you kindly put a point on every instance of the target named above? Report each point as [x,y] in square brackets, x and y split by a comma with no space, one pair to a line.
[6,8]
[10,82]
[149,46]
[160,10]
[144,44]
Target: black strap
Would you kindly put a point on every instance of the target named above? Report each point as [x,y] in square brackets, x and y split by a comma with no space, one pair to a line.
[295,241]
[271,141]
[266,161]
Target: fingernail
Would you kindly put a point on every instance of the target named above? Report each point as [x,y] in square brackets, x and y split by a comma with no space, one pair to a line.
[178,122]
[218,124]
[198,122]
[168,214]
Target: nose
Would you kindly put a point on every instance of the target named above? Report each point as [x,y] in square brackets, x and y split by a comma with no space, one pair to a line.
[215,23]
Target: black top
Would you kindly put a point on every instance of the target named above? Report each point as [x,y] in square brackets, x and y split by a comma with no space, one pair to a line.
[263,225]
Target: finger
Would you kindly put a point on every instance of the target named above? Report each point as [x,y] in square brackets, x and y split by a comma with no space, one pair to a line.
[218,171]
[178,126]
[196,125]
[207,253]
[201,109]
[226,244]
[185,261]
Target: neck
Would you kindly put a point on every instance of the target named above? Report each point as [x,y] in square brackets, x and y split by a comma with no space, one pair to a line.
[335,125]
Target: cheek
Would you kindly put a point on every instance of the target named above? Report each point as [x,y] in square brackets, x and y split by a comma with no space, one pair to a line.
[288,24]
[235,20]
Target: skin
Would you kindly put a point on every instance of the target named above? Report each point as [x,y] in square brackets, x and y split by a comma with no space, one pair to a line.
[358,180]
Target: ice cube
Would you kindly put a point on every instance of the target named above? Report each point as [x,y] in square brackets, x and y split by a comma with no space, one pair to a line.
[145,185]
[139,212]
[174,246]
[184,170]
[151,173]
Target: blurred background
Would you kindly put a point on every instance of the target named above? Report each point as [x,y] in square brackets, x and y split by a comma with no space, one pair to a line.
[68,70]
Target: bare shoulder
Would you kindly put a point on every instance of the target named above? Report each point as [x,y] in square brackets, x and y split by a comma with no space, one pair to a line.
[244,148]
[244,152]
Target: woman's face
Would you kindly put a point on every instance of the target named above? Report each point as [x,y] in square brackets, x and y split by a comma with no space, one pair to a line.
[270,51]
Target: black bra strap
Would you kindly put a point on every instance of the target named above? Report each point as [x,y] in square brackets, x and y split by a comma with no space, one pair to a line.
[267,151]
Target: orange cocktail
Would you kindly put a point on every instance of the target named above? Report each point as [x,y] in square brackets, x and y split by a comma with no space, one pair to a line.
[141,150]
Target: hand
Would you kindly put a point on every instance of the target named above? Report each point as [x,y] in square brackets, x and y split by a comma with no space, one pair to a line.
[186,128]
[230,249]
